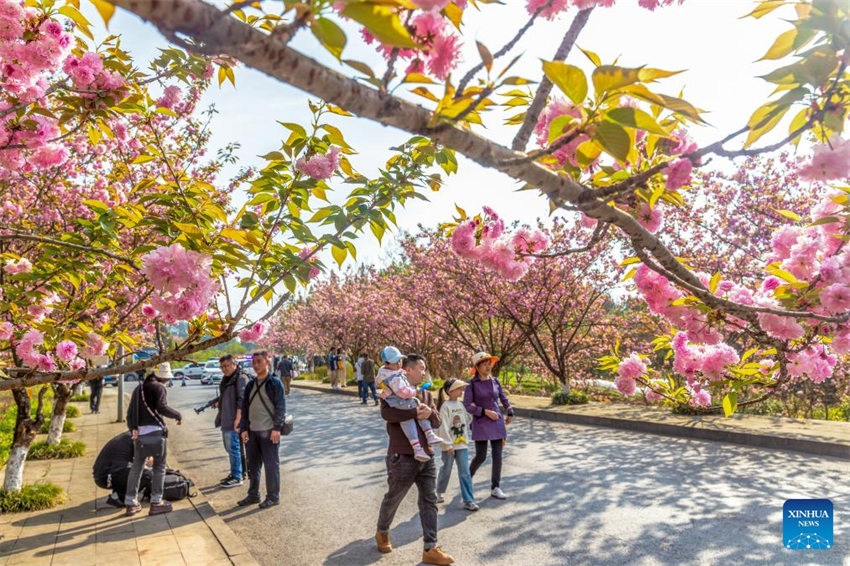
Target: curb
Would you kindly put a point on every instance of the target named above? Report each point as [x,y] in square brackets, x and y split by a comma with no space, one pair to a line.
[830,449]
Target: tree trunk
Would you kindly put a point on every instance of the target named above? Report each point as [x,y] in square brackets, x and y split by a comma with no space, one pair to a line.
[25,430]
[61,396]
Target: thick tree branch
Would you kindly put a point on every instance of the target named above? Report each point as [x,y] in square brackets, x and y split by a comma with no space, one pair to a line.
[17,235]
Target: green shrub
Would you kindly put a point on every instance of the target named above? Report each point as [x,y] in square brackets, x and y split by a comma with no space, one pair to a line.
[72,411]
[82,397]
[67,427]
[31,498]
[320,372]
[66,448]
[570,398]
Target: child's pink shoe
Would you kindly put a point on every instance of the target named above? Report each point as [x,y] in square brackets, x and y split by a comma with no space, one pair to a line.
[420,455]
[434,439]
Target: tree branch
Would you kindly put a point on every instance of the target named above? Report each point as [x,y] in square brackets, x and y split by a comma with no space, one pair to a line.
[542,94]
[17,235]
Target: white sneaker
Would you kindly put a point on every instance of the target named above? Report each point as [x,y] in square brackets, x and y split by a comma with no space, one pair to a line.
[498,493]
[434,439]
[420,455]
[440,498]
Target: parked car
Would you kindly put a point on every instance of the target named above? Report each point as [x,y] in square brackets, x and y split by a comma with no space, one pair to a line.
[247,368]
[192,370]
[110,380]
[211,373]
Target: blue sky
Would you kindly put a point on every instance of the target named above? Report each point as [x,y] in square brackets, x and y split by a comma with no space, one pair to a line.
[704,37]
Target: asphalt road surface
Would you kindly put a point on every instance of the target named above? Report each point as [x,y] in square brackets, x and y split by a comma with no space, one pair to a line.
[577,495]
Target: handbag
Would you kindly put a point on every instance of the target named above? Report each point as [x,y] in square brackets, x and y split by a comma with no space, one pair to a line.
[288,420]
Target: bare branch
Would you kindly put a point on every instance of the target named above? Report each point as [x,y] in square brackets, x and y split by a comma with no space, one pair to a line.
[542,94]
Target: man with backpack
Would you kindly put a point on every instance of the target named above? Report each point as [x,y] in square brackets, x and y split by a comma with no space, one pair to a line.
[148,406]
[284,370]
[231,393]
[263,415]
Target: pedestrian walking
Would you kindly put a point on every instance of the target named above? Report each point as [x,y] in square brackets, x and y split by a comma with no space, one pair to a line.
[332,373]
[403,470]
[263,413]
[231,394]
[455,426]
[148,405]
[489,424]
[96,387]
[358,374]
[367,368]
[284,370]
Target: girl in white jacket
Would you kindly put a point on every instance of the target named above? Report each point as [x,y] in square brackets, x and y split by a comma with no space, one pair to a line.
[455,426]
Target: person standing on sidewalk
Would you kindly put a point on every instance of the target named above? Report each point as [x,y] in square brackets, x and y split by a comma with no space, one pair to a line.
[263,413]
[284,370]
[231,392]
[358,374]
[367,368]
[403,470]
[148,406]
[489,425]
[341,367]
[96,386]
[332,373]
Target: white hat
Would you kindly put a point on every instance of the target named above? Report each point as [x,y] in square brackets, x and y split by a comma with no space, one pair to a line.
[481,356]
[163,371]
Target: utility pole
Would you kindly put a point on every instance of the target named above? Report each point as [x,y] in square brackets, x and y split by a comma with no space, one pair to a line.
[119,354]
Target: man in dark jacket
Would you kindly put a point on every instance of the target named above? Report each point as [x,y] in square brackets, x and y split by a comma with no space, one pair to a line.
[112,467]
[96,392]
[148,406]
[284,370]
[231,393]
[263,413]
[403,470]
[367,369]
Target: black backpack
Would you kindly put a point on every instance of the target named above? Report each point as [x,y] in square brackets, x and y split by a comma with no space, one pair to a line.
[176,486]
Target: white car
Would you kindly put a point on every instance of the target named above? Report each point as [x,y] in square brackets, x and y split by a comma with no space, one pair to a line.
[247,368]
[212,373]
[192,370]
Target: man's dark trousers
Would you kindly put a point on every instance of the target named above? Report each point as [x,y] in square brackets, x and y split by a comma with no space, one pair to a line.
[402,472]
[261,452]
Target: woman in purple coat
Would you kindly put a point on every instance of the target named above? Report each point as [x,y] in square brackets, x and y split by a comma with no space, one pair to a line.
[481,398]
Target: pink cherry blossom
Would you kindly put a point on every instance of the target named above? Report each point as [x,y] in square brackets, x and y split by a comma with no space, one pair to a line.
[6,330]
[679,173]
[781,327]
[650,218]
[320,166]
[827,162]
[631,367]
[148,311]
[66,350]
[625,385]
[20,266]
[836,298]
[254,332]
[95,346]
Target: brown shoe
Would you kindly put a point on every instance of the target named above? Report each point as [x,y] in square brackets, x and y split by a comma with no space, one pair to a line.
[435,555]
[160,508]
[132,510]
[383,540]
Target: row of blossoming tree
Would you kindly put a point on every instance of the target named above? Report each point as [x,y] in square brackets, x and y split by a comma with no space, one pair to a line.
[161,242]
[114,222]
[612,146]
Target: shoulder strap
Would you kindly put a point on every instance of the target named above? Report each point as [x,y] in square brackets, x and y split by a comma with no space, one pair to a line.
[254,394]
[153,413]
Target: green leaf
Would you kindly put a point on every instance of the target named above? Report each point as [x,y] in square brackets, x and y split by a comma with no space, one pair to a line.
[636,118]
[330,35]
[613,138]
[105,9]
[648,75]
[294,128]
[715,281]
[272,156]
[789,214]
[381,21]
[82,23]
[569,78]
[486,56]
[362,67]
[730,404]
[558,125]
[378,230]
[339,254]
[782,46]
[611,77]
[764,8]
[594,58]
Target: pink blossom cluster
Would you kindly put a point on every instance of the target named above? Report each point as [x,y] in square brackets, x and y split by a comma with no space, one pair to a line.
[6,330]
[708,360]
[254,332]
[95,345]
[181,278]
[815,362]
[320,166]
[439,47]
[628,371]
[558,6]
[307,254]
[556,108]
[22,265]
[170,97]
[486,242]
[829,161]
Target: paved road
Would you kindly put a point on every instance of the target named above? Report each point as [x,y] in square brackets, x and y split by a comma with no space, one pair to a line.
[578,495]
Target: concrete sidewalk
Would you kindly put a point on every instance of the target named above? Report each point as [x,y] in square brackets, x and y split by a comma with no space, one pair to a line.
[86,532]
[824,438]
